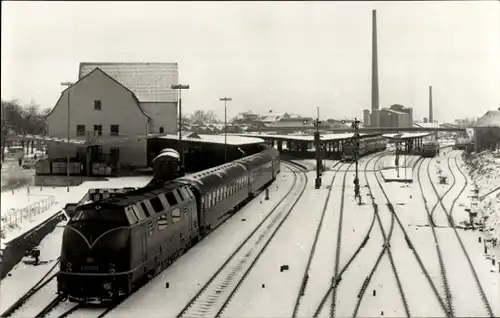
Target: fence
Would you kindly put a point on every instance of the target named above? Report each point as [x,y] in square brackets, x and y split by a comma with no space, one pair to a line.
[16,216]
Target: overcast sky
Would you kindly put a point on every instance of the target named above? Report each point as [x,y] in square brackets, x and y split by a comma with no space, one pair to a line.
[284,56]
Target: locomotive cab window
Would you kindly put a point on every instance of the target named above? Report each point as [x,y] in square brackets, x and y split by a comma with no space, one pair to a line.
[106,214]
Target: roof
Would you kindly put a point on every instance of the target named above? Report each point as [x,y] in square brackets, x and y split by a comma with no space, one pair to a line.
[105,74]
[150,82]
[407,135]
[490,119]
[233,140]
[426,125]
[324,137]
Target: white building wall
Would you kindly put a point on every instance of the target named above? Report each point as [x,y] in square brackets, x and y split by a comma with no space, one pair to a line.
[119,107]
[162,115]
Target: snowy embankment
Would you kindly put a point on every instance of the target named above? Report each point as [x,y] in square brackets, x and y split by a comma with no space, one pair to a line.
[484,169]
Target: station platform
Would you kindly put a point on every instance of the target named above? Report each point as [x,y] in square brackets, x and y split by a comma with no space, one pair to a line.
[391,175]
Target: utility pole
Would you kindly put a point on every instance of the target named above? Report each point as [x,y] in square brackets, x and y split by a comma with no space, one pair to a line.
[225,100]
[397,154]
[355,125]
[68,84]
[180,87]
[317,143]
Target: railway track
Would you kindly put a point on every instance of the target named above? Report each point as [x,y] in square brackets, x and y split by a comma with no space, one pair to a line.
[484,299]
[444,278]
[440,197]
[386,249]
[305,278]
[216,293]
[60,308]
[410,244]
[39,286]
[335,283]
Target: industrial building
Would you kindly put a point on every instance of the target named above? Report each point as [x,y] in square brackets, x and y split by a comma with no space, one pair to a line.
[396,116]
[487,131]
[117,104]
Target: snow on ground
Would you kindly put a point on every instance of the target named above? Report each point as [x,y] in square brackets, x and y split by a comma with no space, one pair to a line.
[22,277]
[291,247]
[388,298]
[394,174]
[359,269]
[187,274]
[23,197]
[484,170]
[487,272]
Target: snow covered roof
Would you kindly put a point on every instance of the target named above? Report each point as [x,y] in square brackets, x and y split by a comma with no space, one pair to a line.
[490,119]
[426,125]
[150,82]
[407,135]
[234,140]
[325,137]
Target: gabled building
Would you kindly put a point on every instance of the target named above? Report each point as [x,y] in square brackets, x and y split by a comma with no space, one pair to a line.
[118,104]
[487,131]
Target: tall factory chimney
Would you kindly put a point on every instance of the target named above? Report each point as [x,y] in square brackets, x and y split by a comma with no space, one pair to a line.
[375,98]
[431,117]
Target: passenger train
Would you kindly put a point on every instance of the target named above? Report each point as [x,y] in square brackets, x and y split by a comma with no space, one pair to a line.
[113,246]
[366,146]
[430,149]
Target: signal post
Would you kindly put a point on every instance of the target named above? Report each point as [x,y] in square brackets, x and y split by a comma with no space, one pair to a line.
[355,125]
[317,144]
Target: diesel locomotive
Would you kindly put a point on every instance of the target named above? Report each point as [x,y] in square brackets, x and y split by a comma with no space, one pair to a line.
[113,246]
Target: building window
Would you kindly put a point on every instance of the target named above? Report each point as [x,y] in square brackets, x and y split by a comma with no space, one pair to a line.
[161,130]
[80,130]
[97,105]
[98,129]
[114,130]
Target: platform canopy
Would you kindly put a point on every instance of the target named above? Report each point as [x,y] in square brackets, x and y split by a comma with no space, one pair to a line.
[407,135]
[219,139]
[323,137]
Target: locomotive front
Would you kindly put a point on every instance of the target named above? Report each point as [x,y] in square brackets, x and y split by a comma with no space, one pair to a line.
[95,255]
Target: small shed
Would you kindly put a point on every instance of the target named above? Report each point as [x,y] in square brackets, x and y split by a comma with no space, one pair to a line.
[487,131]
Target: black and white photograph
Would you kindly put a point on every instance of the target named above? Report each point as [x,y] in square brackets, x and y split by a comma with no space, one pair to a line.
[250,159]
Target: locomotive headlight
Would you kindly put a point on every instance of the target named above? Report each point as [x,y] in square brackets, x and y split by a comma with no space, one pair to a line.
[111,265]
[111,270]
[68,264]
[107,286]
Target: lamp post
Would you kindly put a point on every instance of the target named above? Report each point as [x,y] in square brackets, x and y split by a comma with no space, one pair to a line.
[68,84]
[180,87]
[355,125]
[225,100]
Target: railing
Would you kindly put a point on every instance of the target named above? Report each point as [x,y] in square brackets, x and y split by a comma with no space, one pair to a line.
[18,216]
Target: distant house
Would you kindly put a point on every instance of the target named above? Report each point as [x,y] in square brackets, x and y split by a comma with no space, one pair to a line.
[118,104]
[487,131]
